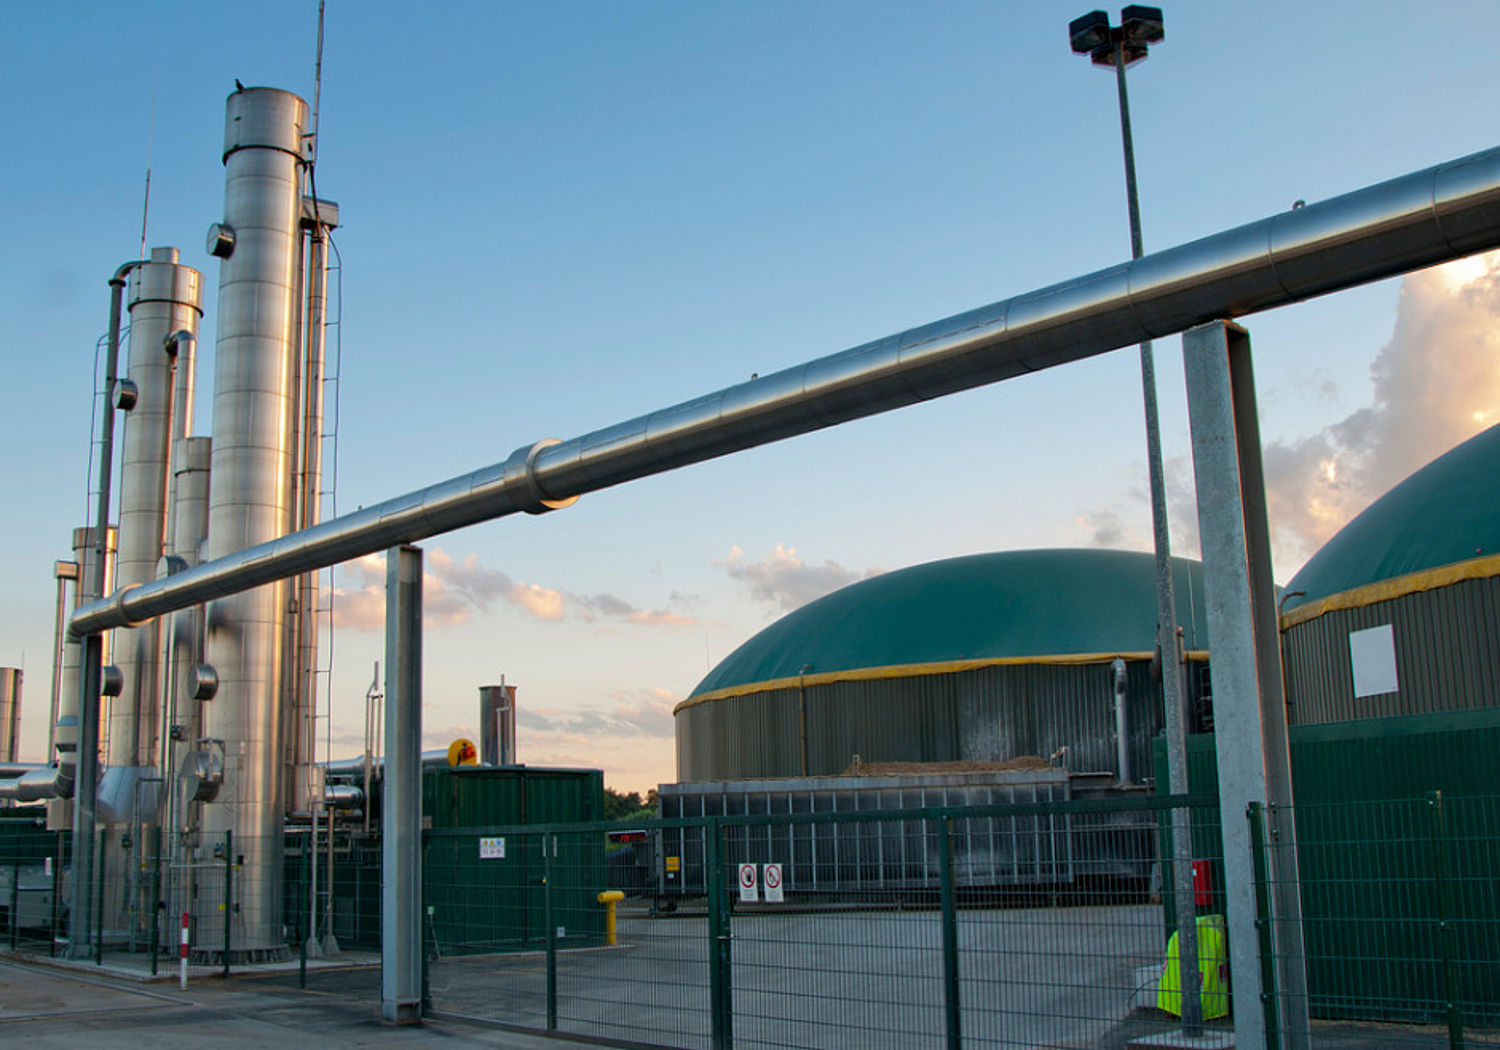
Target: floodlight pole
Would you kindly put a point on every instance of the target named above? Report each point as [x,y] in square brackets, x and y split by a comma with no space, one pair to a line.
[1167,643]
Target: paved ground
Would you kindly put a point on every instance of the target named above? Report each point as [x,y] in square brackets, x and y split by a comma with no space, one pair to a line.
[45,1007]
[1031,978]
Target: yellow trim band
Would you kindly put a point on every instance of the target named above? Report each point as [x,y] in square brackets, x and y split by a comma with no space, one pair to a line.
[872,674]
[1395,587]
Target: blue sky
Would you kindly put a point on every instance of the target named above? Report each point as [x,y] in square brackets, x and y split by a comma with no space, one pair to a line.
[561,215]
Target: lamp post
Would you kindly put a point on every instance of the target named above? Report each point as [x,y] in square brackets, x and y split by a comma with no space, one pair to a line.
[1121,46]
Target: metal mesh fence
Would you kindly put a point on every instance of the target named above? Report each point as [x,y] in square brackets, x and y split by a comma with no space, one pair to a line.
[138,894]
[33,883]
[1400,920]
[988,926]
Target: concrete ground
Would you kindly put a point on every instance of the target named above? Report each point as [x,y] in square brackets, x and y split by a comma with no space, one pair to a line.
[45,1006]
[1075,978]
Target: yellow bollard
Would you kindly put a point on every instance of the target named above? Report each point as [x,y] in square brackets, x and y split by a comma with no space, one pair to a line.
[609,898]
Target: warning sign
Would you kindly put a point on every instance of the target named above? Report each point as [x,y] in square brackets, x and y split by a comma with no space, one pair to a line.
[491,848]
[771,876]
[749,885]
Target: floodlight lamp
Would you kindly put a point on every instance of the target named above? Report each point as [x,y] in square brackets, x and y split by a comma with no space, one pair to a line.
[1089,32]
[1142,25]
[1132,53]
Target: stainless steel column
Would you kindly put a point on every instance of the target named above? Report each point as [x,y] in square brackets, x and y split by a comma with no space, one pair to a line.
[1249,711]
[401,809]
[60,811]
[10,712]
[164,297]
[252,460]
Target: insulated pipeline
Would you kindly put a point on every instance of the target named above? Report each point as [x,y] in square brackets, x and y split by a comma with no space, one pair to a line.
[1431,216]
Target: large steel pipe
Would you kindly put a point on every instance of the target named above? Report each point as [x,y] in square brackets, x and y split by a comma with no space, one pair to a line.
[1431,216]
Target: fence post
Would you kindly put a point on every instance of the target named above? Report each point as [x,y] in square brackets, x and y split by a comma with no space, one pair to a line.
[1447,933]
[549,847]
[228,894]
[15,882]
[57,867]
[99,900]
[158,907]
[308,860]
[1255,813]
[953,1014]
[721,1009]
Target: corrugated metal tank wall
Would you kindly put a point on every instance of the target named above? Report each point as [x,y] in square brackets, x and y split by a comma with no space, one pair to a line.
[989,714]
[1447,656]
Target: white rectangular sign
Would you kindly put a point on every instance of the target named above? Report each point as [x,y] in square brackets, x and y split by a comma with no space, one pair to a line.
[492,849]
[771,876]
[749,884]
[1372,658]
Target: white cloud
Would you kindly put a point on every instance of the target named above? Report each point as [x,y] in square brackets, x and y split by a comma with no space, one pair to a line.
[782,581]
[642,713]
[1436,384]
[452,591]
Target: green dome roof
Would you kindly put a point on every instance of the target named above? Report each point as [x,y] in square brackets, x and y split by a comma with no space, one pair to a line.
[984,606]
[1447,512]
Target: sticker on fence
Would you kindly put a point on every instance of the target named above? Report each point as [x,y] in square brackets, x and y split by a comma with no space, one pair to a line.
[492,848]
[749,887]
[771,876]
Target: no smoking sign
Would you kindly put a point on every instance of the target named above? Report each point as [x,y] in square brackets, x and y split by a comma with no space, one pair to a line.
[753,877]
[772,878]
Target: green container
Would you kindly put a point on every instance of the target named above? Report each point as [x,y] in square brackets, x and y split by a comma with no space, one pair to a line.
[488,885]
[476,899]
[1369,843]
[489,796]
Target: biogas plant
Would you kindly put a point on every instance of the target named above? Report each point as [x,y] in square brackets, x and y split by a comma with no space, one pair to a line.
[991,731]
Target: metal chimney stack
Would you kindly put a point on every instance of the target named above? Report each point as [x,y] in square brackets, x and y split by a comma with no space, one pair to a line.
[10,712]
[250,499]
[497,725]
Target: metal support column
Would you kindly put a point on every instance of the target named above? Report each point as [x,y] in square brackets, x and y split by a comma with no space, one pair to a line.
[1249,711]
[401,848]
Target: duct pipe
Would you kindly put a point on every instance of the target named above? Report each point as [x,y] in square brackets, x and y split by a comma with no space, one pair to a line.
[309,503]
[91,663]
[1446,212]
[1122,724]
[181,347]
[497,724]
[343,796]
[248,501]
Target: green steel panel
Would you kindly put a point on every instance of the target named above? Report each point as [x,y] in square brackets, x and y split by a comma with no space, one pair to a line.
[1370,893]
[478,904]
[1008,604]
[987,714]
[1447,512]
[1447,655]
